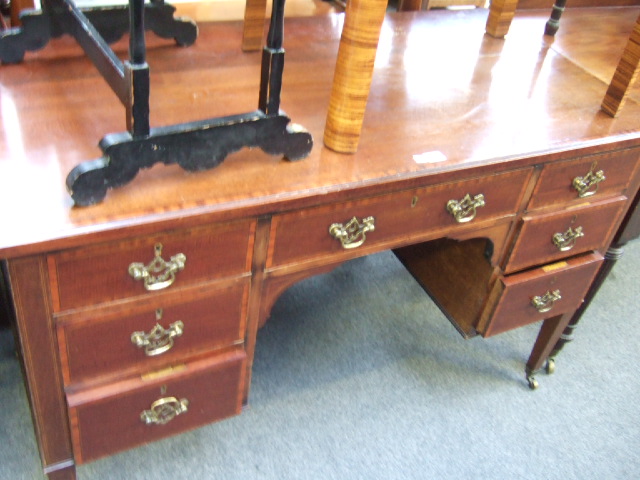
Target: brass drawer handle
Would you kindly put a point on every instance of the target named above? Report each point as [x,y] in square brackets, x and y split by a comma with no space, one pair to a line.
[545,302]
[164,410]
[159,273]
[465,210]
[567,240]
[354,233]
[584,185]
[159,339]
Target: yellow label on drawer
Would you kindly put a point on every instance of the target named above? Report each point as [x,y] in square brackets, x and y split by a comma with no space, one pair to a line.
[163,373]
[554,266]
[578,205]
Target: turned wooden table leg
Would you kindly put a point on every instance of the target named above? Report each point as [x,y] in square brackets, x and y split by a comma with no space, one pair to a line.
[550,332]
[501,13]
[553,23]
[610,258]
[410,5]
[625,74]
[628,231]
[253,26]
[352,76]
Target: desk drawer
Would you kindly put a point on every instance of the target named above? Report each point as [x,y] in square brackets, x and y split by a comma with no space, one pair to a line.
[561,183]
[102,341]
[109,419]
[396,218]
[93,275]
[589,225]
[555,289]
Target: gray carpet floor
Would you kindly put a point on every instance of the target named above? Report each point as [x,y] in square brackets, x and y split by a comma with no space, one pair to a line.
[359,376]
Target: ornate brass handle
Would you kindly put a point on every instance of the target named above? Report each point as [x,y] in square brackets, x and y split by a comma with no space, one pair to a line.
[545,302]
[159,339]
[158,274]
[465,210]
[164,410]
[584,185]
[354,233]
[567,240]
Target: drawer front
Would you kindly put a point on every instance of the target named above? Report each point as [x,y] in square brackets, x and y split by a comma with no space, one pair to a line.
[583,228]
[531,296]
[131,413]
[564,182]
[396,218]
[89,276]
[145,335]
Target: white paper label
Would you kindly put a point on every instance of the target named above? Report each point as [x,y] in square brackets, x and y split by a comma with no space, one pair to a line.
[430,157]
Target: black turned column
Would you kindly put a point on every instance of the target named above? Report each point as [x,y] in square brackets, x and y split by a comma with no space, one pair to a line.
[629,230]
[137,73]
[554,21]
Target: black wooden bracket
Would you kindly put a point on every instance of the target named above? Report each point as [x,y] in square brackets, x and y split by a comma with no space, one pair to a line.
[195,146]
[57,18]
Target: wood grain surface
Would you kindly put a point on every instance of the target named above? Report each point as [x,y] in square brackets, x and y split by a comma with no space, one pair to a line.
[439,85]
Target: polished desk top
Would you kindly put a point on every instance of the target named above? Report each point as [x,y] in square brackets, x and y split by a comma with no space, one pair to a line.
[439,85]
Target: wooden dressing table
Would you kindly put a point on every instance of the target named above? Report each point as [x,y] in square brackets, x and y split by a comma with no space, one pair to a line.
[476,172]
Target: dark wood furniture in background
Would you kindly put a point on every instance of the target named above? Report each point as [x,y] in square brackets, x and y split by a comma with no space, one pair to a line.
[490,166]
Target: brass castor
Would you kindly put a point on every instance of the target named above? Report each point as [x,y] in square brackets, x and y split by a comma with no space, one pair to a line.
[533,383]
[550,367]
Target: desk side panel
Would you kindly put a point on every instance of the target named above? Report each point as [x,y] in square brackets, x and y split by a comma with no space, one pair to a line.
[38,348]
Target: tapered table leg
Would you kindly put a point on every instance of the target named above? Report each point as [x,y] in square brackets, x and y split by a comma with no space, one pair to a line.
[501,14]
[550,332]
[352,77]
[253,26]
[629,230]
[625,74]
[410,5]
[610,258]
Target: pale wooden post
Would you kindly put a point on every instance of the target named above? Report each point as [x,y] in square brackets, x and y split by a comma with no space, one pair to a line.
[253,27]
[501,13]
[352,77]
[625,74]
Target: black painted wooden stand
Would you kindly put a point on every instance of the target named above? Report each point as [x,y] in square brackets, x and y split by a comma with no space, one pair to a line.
[59,17]
[553,24]
[194,146]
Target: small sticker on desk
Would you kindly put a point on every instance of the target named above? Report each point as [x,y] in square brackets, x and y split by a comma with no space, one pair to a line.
[554,266]
[430,157]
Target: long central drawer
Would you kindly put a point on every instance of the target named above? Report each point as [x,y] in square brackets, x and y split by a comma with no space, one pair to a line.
[393,219]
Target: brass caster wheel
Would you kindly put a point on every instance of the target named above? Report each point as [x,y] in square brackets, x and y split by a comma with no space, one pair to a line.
[533,383]
[550,367]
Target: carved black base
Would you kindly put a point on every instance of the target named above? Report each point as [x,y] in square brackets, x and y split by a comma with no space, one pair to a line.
[38,27]
[194,146]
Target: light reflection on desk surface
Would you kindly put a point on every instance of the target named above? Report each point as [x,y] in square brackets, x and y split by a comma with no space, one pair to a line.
[439,85]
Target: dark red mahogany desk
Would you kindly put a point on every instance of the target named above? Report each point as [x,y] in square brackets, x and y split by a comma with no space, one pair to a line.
[479,165]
